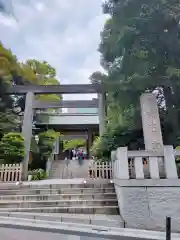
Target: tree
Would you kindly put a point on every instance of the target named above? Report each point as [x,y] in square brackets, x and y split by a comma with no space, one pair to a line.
[42,150]
[98,77]
[74,143]
[13,72]
[145,34]
[38,73]
[46,143]
[8,122]
[12,149]
[9,70]
[139,51]
[97,149]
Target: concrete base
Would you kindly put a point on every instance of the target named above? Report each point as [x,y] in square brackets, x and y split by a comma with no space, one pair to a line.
[146,207]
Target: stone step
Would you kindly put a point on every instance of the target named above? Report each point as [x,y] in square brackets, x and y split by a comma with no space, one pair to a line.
[96,184]
[98,220]
[108,210]
[67,196]
[46,191]
[58,203]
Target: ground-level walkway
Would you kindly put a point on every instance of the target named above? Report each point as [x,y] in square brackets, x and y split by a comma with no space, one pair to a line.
[67,169]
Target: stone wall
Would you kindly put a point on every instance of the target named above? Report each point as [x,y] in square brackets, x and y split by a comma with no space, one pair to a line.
[146,206]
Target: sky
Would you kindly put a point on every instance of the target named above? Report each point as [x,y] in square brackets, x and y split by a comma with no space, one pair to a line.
[66,33]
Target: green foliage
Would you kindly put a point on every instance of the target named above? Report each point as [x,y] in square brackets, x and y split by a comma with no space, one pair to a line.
[46,143]
[119,136]
[37,161]
[13,72]
[8,122]
[37,174]
[98,77]
[178,157]
[32,72]
[12,148]
[41,68]
[9,70]
[97,148]
[139,51]
[44,74]
[42,150]
[74,144]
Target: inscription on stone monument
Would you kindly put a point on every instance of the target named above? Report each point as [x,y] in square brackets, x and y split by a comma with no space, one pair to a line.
[151,122]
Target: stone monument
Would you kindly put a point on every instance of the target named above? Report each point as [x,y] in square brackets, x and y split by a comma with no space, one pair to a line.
[151,123]
[151,126]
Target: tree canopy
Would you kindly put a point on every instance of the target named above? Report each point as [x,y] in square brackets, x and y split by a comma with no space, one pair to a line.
[30,72]
[12,149]
[139,49]
[38,73]
[13,72]
[74,143]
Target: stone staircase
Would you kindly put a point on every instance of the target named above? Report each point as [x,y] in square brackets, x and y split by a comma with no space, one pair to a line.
[67,169]
[84,203]
[57,169]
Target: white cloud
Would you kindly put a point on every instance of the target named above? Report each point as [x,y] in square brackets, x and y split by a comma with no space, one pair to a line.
[39,6]
[7,21]
[65,33]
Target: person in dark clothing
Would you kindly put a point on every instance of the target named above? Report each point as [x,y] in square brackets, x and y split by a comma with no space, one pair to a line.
[71,154]
[80,157]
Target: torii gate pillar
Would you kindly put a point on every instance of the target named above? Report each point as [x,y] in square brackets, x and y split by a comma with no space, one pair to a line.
[27,131]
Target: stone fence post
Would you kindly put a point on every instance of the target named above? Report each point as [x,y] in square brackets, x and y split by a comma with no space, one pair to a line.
[120,164]
[169,163]
[136,169]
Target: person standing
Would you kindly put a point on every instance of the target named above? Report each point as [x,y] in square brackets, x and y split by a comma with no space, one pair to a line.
[71,154]
[80,157]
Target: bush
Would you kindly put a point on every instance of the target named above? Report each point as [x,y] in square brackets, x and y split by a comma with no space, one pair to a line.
[38,174]
[42,150]
[74,143]
[37,162]
[96,148]
[12,149]
[46,143]
[114,138]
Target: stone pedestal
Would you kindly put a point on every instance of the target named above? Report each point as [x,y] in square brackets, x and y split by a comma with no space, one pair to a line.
[145,204]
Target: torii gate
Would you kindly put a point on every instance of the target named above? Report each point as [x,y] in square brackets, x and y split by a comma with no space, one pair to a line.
[31,90]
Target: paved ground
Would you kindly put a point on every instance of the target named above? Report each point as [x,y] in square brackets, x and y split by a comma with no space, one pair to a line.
[60,181]
[15,234]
